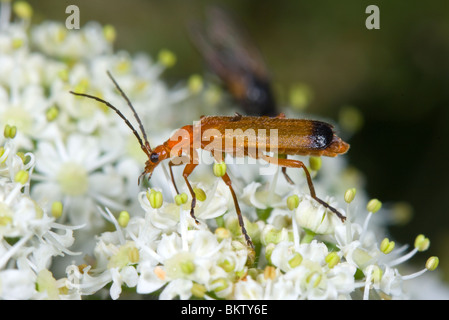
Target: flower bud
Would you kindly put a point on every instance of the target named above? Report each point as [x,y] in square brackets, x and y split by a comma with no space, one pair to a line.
[295,260]
[10,131]
[350,195]
[200,194]
[123,219]
[181,198]
[219,169]
[332,259]
[374,205]
[155,198]
[386,246]
[315,163]
[21,177]
[167,58]
[432,263]
[422,243]
[56,209]
[293,202]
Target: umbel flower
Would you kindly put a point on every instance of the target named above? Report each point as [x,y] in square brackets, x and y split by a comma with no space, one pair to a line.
[70,203]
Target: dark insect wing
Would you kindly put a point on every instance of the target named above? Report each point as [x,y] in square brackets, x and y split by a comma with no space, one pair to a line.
[229,53]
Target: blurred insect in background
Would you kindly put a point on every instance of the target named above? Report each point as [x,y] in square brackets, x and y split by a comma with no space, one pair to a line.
[229,54]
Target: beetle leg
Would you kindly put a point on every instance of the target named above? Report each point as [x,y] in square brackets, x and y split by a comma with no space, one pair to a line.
[170,165]
[228,182]
[284,171]
[284,156]
[291,163]
[177,161]
[187,171]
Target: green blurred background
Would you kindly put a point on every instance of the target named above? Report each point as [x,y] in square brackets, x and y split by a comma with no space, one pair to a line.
[397,77]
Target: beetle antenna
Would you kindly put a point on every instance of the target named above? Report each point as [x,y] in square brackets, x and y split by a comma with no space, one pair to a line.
[142,130]
[120,115]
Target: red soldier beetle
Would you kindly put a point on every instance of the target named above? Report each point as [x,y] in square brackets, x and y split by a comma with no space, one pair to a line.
[294,137]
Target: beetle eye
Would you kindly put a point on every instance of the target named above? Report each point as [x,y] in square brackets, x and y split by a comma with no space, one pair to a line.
[154,157]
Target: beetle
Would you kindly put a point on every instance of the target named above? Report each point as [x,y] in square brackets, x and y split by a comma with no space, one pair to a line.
[220,135]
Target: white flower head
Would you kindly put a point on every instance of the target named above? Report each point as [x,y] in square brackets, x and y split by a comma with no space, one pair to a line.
[77,174]
[314,217]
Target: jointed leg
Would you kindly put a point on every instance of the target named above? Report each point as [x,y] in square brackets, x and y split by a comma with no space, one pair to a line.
[284,156]
[284,171]
[290,163]
[170,165]
[227,180]
[187,171]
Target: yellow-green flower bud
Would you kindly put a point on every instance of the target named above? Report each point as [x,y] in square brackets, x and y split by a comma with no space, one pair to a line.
[332,259]
[23,9]
[219,169]
[315,163]
[350,195]
[198,290]
[374,205]
[227,265]
[167,58]
[293,202]
[52,113]
[187,267]
[155,198]
[314,278]
[377,274]
[10,131]
[200,194]
[181,198]
[220,284]
[21,177]
[56,209]
[386,246]
[432,263]
[109,33]
[195,83]
[123,219]
[422,243]
[295,260]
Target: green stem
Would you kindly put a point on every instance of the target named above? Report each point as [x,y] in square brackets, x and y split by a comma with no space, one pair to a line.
[308,237]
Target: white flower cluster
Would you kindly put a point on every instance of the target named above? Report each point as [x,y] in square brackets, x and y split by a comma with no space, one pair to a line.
[29,237]
[80,168]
